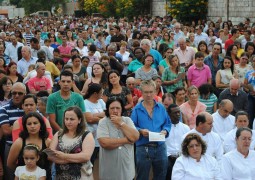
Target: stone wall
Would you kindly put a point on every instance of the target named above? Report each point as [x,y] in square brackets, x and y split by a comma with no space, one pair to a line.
[158,8]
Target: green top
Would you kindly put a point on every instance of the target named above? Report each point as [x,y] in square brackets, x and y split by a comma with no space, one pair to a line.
[57,105]
[163,63]
[134,65]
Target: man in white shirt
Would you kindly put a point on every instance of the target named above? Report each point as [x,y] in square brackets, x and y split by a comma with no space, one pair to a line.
[242,120]
[204,124]
[12,48]
[173,142]
[223,121]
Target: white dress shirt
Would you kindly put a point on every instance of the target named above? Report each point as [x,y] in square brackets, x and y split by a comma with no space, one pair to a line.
[236,167]
[223,125]
[174,140]
[230,141]
[213,141]
[12,51]
[187,168]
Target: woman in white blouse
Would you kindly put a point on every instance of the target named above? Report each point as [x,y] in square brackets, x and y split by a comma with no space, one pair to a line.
[238,164]
[194,163]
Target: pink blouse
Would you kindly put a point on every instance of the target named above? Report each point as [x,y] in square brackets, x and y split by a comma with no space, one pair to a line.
[191,116]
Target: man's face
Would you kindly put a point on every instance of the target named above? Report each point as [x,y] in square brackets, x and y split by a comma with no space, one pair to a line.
[234,89]
[41,70]
[199,61]
[66,83]
[13,40]
[131,85]
[242,121]
[207,126]
[148,93]
[18,93]
[182,45]
[225,110]
[175,115]
[34,45]
[216,50]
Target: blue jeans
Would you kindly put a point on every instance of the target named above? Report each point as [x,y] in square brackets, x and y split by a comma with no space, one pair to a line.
[147,156]
[251,110]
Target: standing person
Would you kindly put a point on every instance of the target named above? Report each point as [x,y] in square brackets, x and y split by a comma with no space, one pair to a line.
[5,90]
[235,34]
[65,50]
[95,107]
[214,61]
[72,147]
[30,170]
[12,48]
[194,162]
[34,133]
[199,73]
[150,116]
[192,107]
[116,135]
[9,113]
[173,142]
[59,101]
[116,90]
[239,163]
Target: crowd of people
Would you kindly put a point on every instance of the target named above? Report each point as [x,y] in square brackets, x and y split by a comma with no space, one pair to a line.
[139,94]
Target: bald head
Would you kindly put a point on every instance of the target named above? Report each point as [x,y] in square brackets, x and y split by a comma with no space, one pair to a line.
[204,122]
[130,79]
[234,86]
[130,83]
[225,108]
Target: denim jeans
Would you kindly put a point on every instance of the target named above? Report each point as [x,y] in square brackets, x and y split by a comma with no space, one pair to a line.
[147,156]
[251,110]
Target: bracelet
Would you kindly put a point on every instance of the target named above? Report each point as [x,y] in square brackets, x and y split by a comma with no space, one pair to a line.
[122,124]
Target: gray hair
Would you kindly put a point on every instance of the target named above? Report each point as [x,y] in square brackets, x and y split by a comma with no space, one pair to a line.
[145,42]
[147,83]
[21,85]
[44,100]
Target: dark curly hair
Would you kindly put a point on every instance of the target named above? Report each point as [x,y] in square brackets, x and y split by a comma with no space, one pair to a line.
[188,139]
[110,101]
[43,133]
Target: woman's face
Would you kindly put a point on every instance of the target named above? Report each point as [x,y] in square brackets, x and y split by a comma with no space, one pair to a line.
[195,149]
[77,62]
[115,109]
[202,48]
[29,105]
[243,142]
[193,95]
[250,49]
[71,120]
[13,69]
[166,36]
[33,125]
[148,61]
[139,54]
[168,53]
[227,63]
[80,43]
[69,34]
[114,78]
[243,60]
[174,62]
[234,50]
[97,69]
[123,48]
[180,95]
[1,62]
[7,87]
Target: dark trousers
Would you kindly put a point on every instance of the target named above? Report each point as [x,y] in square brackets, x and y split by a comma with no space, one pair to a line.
[251,109]
[171,161]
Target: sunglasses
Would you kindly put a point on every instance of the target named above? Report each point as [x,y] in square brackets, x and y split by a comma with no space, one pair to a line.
[19,93]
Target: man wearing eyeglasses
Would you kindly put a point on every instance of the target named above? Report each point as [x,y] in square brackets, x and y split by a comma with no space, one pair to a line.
[9,113]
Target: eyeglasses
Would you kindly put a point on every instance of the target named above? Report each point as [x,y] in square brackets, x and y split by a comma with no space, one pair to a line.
[7,84]
[19,93]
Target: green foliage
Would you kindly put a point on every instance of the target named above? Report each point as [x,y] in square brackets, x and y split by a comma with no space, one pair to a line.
[188,10]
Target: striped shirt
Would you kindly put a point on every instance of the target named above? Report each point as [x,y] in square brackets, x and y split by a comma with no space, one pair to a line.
[209,102]
[9,113]
[28,37]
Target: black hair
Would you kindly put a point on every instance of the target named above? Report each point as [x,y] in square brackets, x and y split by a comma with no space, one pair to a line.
[201,118]
[42,93]
[204,89]
[241,129]
[199,55]
[74,57]
[232,63]
[110,101]
[2,82]
[43,133]
[29,96]
[34,40]
[109,83]
[240,113]
[104,79]
[66,73]
[92,88]
[169,108]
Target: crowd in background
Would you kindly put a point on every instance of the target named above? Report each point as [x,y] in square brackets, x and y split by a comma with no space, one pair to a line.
[76,89]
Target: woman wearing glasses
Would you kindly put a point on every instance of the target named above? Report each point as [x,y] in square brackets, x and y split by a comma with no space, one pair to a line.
[194,163]
[5,90]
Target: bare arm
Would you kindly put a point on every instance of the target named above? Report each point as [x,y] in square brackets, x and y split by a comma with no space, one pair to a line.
[112,143]
[7,129]
[93,118]
[218,81]
[53,123]
[85,86]
[130,102]
[14,154]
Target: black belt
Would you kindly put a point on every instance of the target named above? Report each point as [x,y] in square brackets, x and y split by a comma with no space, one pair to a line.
[151,145]
[172,157]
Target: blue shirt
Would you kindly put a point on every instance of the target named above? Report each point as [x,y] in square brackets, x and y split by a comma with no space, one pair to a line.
[9,113]
[142,120]
[157,57]
[22,65]
[209,62]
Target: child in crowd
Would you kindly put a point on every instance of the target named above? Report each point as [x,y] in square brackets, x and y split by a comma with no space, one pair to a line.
[199,73]
[30,170]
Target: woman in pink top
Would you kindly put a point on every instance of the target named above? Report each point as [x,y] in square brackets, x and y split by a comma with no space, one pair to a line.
[192,107]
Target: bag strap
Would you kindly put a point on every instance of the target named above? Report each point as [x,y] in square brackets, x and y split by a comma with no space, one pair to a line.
[84,135]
